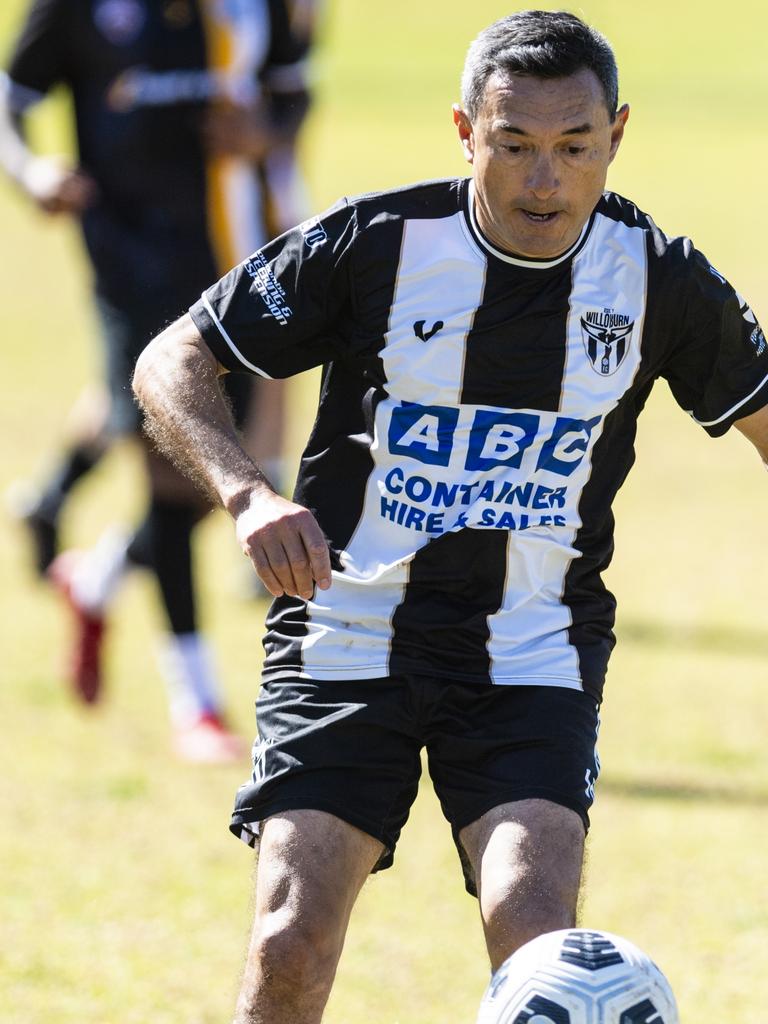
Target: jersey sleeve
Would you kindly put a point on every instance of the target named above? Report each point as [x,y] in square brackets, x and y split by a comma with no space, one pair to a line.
[718,372]
[282,310]
[38,60]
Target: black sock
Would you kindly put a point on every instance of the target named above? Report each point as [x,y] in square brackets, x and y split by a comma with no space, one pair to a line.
[139,550]
[162,543]
[74,464]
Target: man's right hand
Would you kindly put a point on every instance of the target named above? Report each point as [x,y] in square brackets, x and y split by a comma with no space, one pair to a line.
[285,544]
[57,188]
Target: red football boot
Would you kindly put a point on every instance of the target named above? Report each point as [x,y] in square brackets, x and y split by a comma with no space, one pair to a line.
[206,740]
[84,670]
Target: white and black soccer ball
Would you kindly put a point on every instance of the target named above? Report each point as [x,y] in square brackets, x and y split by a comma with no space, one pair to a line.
[578,976]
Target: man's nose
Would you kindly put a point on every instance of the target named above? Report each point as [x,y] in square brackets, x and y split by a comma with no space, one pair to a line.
[543,180]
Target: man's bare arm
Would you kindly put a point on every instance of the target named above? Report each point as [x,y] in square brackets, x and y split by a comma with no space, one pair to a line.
[755,427]
[176,384]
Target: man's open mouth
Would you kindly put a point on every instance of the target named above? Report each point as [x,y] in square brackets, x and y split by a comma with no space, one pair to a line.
[539,218]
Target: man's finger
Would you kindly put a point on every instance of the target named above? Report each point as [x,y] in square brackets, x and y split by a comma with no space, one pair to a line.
[279,561]
[301,568]
[263,568]
[316,547]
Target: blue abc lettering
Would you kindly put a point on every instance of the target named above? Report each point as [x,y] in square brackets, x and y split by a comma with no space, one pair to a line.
[564,450]
[500,439]
[425,432]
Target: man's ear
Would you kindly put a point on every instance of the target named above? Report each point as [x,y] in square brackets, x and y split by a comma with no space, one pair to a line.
[466,134]
[617,129]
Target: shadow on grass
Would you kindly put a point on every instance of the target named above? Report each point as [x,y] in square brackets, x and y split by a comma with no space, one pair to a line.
[705,638]
[683,792]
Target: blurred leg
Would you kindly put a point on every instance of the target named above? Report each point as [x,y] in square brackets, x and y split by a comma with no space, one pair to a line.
[89,439]
[311,868]
[163,544]
[527,857]
[89,435]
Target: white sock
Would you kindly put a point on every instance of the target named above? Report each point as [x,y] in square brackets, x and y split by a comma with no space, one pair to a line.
[99,571]
[187,668]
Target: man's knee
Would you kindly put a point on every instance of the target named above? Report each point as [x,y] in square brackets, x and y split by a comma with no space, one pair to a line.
[289,971]
[296,952]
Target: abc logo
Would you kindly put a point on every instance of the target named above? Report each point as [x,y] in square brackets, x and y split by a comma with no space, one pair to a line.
[428,434]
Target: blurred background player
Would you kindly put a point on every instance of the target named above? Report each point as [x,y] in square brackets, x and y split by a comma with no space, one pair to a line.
[186,115]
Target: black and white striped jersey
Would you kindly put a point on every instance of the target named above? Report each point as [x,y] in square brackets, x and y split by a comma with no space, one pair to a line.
[476,419]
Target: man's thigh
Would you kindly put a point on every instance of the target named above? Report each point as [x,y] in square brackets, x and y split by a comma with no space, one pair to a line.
[313,860]
[348,748]
[491,746]
[537,835]
[526,860]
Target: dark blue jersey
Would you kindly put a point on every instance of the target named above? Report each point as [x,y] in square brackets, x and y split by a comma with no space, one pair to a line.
[142,73]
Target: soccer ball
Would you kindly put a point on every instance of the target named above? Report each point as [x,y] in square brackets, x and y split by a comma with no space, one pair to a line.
[578,976]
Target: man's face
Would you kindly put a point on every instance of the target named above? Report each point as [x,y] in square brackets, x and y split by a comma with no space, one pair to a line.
[540,150]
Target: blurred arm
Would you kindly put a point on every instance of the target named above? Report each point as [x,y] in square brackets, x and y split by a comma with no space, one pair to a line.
[755,427]
[238,131]
[254,132]
[272,123]
[53,185]
[177,387]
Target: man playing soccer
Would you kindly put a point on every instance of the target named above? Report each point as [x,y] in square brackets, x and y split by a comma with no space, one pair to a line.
[487,347]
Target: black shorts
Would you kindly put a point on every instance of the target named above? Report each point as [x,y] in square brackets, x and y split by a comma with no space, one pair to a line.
[353,748]
[125,334]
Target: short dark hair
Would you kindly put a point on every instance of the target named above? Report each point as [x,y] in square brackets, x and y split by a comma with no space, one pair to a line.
[540,44]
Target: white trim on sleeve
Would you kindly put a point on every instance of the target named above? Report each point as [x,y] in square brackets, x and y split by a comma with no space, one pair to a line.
[226,337]
[712,423]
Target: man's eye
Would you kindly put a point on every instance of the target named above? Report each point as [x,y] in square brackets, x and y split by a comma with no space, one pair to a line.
[514,149]
[576,150]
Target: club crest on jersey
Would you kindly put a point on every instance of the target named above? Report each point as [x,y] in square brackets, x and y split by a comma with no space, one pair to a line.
[607,336]
[120,21]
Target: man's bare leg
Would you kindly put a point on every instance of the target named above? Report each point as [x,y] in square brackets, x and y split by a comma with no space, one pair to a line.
[311,867]
[527,857]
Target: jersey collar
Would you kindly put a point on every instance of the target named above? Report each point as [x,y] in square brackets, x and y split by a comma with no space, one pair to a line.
[516,261]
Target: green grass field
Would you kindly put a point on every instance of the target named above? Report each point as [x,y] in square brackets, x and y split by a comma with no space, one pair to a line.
[124,899]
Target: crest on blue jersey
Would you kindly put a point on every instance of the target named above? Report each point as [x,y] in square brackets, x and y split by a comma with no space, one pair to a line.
[607,336]
[120,21]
